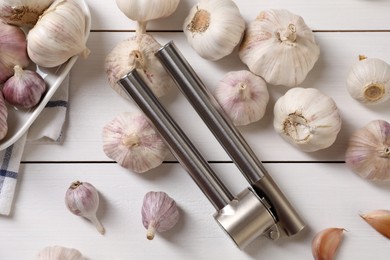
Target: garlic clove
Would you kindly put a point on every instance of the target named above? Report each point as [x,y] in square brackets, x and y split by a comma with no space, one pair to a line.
[59,253]
[243,96]
[82,199]
[24,89]
[279,47]
[214,28]
[369,81]
[368,151]
[326,242]
[379,220]
[138,53]
[159,213]
[132,142]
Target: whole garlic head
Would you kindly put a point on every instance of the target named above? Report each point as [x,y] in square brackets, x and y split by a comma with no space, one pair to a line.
[369,81]
[59,253]
[307,118]
[368,152]
[214,28]
[138,52]
[279,47]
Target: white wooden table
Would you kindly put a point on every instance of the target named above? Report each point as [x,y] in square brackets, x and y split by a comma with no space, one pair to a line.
[318,184]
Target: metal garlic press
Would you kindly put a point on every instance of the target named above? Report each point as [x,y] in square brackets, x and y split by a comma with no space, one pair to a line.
[260,209]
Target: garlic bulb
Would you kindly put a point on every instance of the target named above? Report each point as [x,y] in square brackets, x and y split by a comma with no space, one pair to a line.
[307,118]
[369,81]
[13,50]
[133,143]
[3,117]
[379,220]
[24,89]
[243,96]
[59,253]
[82,199]
[22,12]
[159,213]
[368,152]
[326,242]
[214,28]
[138,52]
[59,34]
[279,47]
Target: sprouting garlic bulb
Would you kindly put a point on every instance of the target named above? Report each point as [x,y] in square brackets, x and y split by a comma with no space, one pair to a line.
[59,253]
[132,142]
[243,96]
[22,12]
[159,213]
[3,117]
[137,52]
[380,220]
[279,47]
[59,34]
[326,242]
[369,81]
[307,118]
[144,11]
[368,151]
[214,28]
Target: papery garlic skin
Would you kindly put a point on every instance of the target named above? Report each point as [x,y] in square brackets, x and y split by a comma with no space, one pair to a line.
[369,81]
[214,28]
[137,52]
[159,213]
[131,141]
[59,253]
[307,118]
[368,151]
[144,11]
[379,220]
[279,47]
[243,96]
[3,117]
[326,242]
[59,34]
[22,12]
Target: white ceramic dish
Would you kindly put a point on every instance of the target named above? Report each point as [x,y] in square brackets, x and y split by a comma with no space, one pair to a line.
[20,120]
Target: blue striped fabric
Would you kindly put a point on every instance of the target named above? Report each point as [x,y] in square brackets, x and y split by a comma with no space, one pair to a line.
[4,171]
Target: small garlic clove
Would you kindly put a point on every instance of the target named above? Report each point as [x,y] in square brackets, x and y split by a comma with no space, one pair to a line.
[326,243]
[3,117]
[132,142]
[82,199]
[379,220]
[24,89]
[159,213]
[59,253]
[243,96]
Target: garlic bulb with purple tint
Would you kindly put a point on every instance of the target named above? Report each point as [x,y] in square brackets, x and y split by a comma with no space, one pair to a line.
[368,152]
[369,81]
[59,253]
[243,96]
[159,213]
[131,141]
[3,117]
[82,199]
[307,118]
[24,89]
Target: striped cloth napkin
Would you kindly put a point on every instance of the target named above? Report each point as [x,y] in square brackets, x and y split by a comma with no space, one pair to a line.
[46,128]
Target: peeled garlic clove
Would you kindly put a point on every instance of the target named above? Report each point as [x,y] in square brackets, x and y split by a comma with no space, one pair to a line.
[369,81]
[159,213]
[379,220]
[3,117]
[59,34]
[243,96]
[22,12]
[24,89]
[138,53]
[13,50]
[214,28]
[368,151]
[326,242]
[133,143]
[279,47]
[307,118]
[82,199]
[59,253]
